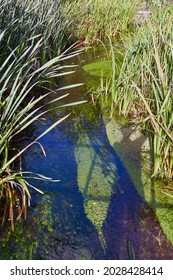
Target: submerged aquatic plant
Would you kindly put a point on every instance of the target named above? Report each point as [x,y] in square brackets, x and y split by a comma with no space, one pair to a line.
[97,175]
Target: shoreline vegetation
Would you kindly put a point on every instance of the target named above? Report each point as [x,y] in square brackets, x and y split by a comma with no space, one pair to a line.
[33,36]
[143,90]
[31,44]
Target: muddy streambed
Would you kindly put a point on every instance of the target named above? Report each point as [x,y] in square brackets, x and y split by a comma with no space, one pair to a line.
[95,211]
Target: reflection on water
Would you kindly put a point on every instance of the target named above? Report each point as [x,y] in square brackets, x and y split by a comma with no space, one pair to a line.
[94,212]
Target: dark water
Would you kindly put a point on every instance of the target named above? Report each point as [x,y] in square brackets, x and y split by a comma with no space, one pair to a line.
[94,212]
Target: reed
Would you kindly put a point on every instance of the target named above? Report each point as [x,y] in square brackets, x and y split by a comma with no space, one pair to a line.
[143,90]
[93,20]
[29,18]
[155,91]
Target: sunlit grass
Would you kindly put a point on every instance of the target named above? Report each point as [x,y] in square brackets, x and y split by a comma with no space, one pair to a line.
[93,20]
[29,18]
[143,90]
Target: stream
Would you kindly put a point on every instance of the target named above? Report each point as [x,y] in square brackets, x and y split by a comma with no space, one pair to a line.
[94,211]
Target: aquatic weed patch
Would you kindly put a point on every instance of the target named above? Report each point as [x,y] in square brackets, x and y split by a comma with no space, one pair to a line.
[97,176]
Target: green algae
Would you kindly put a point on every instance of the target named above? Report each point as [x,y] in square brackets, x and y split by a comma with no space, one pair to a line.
[99,69]
[30,239]
[135,155]
[96,180]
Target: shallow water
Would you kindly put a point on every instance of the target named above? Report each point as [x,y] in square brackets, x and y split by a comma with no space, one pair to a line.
[94,212]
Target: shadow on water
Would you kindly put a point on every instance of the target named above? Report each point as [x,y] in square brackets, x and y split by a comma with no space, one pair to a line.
[144,237]
[94,212]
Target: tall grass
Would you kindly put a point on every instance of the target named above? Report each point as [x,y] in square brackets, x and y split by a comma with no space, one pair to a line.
[29,18]
[93,20]
[143,90]
[30,39]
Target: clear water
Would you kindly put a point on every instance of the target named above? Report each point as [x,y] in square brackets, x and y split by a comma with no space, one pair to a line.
[84,216]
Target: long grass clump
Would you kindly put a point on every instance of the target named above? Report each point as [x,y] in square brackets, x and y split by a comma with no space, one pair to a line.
[97,19]
[143,91]
[29,18]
